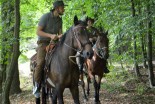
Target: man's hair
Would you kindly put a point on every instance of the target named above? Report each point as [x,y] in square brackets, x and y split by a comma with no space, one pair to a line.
[91,19]
[57,4]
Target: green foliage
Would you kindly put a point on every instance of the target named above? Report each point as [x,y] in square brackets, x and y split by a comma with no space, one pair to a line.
[23,58]
[7,26]
[141,88]
[25,83]
[122,81]
[31,11]
[115,79]
[113,15]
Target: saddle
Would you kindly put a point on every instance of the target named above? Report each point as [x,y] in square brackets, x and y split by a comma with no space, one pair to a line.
[33,63]
[49,50]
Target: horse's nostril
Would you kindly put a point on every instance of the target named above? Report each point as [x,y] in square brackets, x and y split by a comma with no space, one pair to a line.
[88,53]
[91,54]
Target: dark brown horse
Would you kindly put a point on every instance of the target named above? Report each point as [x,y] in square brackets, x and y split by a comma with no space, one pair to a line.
[64,73]
[96,65]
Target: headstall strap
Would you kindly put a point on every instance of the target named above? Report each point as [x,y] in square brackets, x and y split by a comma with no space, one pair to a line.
[79,43]
[78,27]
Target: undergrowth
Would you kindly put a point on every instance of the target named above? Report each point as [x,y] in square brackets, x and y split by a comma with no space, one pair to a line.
[124,81]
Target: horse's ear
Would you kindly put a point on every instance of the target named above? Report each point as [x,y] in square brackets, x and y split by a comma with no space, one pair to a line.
[75,20]
[106,33]
[86,19]
[100,29]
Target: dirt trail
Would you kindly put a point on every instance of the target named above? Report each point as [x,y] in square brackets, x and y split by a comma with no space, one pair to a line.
[117,96]
[26,96]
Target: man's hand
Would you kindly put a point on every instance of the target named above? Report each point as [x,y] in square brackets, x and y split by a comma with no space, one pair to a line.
[60,36]
[54,37]
[91,39]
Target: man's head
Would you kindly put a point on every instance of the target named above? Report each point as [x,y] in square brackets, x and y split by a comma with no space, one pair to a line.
[59,7]
[90,21]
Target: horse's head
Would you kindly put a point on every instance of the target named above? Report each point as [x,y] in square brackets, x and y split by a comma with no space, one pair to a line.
[81,40]
[102,45]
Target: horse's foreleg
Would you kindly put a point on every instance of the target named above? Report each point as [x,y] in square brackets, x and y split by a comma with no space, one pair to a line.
[57,93]
[83,87]
[43,95]
[95,87]
[98,88]
[54,96]
[60,91]
[88,89]
[75,94]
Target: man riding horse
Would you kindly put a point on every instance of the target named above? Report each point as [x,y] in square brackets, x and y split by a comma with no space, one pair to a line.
[93,33]
[49,30]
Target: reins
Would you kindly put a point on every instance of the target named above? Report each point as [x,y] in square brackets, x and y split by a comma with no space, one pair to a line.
[96,50]
[79,45]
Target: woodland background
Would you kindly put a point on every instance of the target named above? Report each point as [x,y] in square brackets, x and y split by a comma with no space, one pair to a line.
[131,26]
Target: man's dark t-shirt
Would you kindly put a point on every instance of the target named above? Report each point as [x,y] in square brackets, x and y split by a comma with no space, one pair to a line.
[50,24]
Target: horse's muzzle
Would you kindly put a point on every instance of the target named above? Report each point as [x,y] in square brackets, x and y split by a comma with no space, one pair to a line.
[87,54]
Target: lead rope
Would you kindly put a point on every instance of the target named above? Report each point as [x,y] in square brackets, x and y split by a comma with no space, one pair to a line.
[70,57]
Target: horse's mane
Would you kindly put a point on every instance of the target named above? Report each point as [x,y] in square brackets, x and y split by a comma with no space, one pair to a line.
[64,36]
[83,23]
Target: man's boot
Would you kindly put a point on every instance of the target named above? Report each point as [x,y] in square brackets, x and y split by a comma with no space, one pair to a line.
[36,90]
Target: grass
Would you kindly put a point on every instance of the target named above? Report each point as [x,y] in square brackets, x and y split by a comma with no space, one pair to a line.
[125,81]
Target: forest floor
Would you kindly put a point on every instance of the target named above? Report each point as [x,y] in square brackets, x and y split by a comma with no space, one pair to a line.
[118,87]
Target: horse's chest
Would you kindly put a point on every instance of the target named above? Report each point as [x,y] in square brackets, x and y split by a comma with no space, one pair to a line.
[99,64]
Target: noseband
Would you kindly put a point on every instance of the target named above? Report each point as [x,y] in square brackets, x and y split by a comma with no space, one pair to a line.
[98,50]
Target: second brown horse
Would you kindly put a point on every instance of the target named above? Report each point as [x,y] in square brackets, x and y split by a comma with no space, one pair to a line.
[97,65]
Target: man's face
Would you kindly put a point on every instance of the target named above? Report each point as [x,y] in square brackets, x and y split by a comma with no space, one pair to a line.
[89,23]
[60,10]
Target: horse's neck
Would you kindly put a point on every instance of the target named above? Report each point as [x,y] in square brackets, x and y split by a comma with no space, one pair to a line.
[96,56]
[67,48]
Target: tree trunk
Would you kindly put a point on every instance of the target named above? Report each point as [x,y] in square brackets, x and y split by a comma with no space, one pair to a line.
[142,35]
[6,10]
[0,84]
[15,86]
[149,45]
[0,81]
[15,55]
[143,51]
[135,45]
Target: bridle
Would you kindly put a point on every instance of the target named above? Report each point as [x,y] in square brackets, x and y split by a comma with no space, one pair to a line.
[99,49]
[80,45]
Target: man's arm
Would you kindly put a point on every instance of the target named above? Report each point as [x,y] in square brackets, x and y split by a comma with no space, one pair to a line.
[40,32]
[60,33]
